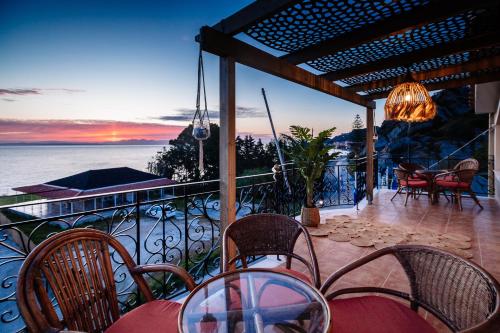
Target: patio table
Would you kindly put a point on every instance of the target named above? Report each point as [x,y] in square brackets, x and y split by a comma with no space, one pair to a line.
[254,300]
[429,175]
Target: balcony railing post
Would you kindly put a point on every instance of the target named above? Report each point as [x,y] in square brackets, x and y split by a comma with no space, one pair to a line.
[293,183]
[138,235]
[186,230]
[253,195]
[138,226]
[338,184]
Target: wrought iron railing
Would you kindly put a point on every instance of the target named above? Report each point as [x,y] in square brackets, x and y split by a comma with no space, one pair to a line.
[176,224]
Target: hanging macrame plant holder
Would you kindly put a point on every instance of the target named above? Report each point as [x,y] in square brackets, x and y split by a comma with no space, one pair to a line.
[201,120]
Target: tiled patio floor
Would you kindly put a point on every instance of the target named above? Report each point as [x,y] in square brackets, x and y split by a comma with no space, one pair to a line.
[483,226]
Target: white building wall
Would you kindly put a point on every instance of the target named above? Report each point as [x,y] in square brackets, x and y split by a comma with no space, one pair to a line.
[487,100]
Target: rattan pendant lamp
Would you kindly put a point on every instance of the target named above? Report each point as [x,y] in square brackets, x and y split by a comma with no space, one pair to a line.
[410,102]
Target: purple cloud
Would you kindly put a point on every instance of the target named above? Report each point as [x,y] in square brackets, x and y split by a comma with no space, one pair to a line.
[186,114]
[36,91]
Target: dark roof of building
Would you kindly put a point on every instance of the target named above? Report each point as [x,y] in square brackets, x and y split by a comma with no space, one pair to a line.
[93,179]
[96,182]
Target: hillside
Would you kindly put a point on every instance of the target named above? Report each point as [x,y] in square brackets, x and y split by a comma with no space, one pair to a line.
[455,124]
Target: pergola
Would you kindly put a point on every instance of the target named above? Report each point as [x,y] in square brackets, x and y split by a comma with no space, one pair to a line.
[355,50]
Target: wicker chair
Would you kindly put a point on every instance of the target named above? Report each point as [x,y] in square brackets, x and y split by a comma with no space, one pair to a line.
[458,292]
[269,234]
[457,182]
[412,185]
[412,167]
[76,265]
[467,164]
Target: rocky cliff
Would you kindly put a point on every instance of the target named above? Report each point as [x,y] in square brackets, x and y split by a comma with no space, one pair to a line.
[455,124]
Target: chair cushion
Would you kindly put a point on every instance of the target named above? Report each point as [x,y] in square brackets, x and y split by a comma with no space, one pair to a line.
[274,295]
[155,316]
[375,314]
[452,184]
[415,183]
[297,274]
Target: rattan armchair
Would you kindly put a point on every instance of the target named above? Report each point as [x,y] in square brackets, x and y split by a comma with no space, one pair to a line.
[76,265]
[467,164]
[412,167]
[412,185]
[269,234]
[457,182]
[458,292]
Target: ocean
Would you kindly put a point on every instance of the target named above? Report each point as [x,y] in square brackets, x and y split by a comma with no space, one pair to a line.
[29,165]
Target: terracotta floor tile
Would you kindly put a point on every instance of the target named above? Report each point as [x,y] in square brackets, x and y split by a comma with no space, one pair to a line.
[483,226]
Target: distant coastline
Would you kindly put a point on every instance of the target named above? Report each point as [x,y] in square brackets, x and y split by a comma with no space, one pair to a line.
[71,143]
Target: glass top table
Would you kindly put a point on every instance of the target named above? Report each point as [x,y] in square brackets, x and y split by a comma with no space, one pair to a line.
[254,300]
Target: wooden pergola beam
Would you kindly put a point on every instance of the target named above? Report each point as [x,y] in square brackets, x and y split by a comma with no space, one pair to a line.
[471,66]
[222,45]
[379,30]
[489,77]
[247,16]
[406,59]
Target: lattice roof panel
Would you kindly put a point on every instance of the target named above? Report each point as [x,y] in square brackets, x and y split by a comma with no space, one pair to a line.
[436,33]
[310,22]
[307,23]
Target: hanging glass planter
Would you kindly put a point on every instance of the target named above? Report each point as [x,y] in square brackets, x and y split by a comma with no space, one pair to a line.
[201,120]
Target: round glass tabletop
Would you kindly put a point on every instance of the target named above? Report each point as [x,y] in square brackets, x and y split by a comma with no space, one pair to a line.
[254,300]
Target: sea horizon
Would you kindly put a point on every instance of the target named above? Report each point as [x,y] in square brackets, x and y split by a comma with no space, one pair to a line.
[37,164]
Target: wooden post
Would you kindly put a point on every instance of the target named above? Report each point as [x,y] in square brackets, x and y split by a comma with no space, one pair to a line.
[227,145]
[369,154]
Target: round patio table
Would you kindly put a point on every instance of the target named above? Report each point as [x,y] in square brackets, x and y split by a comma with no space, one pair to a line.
[254,300]
[429,175]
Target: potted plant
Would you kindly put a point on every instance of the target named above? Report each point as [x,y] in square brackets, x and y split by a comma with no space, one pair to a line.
[310,155]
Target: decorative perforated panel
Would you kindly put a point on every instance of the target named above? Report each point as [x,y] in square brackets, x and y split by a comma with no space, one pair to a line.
[310,22]
[451,29]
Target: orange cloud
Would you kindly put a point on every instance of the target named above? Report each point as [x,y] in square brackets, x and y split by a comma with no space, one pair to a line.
[82,131]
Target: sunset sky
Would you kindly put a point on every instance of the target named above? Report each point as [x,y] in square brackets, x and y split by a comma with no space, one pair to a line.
[97,71]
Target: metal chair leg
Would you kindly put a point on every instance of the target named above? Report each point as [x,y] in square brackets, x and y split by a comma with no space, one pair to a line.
[473,195]
[407,195]
[459,199]
[397,192]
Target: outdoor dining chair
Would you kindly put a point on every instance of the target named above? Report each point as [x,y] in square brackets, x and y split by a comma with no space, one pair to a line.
[467,164]
[457,182]
[412,167]
[76,267]
[270,234]
[458,292]
[412,185]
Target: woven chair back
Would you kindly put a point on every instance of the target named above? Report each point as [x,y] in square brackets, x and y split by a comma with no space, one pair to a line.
[469,163]
[74,267]
[466,175]
[269,234]
[264,234]
[460,293]
[401,174]
[410,166]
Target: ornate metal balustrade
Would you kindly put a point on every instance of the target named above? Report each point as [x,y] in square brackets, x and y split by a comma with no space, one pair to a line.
[177,224]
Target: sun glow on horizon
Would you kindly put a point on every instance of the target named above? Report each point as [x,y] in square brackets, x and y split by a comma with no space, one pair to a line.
[32,131]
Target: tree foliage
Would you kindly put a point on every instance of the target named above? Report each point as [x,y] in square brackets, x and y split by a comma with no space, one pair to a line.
[310,154]
[358,136]
[357,123]
[180,160]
